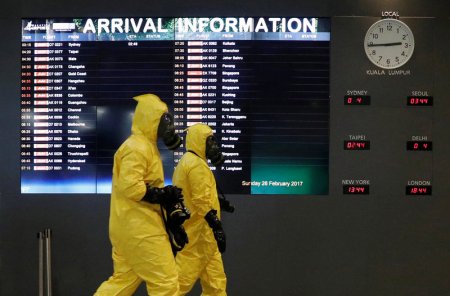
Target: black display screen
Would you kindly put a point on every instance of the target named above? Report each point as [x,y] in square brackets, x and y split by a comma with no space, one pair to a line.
[356,100]
[356,145]
[262,84]
[355,189]
[418,190]
[419,145]
[419,101]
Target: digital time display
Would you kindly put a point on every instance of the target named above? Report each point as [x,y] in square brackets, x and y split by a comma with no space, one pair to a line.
[356,145]
[356,189]
[419,101]
[418,190]
[419,145]
[356,100]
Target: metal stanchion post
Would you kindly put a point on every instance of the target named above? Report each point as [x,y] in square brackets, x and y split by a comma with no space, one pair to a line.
[40,236]
[48,236]
[45,262]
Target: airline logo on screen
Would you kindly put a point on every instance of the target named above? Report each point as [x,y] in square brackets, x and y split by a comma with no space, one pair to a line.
[35,27]
[215,24]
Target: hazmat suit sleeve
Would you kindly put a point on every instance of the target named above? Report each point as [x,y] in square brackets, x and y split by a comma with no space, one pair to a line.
[131,183]
[202,187]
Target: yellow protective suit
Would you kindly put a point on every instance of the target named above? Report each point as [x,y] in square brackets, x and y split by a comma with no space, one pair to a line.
[141,248]
[200,258]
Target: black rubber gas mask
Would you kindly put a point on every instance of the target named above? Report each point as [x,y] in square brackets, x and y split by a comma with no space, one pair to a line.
[213,152]
[166,131]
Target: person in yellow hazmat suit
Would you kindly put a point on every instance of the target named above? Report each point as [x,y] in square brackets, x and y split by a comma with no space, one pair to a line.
[141,249]
[201,258]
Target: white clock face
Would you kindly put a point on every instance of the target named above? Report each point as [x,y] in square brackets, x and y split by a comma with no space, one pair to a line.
[389,43]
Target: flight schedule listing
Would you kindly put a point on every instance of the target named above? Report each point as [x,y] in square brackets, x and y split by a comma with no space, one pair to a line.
[261,83]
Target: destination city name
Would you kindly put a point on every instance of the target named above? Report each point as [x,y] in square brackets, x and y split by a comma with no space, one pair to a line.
[78,153]
[227,161]
[76,161]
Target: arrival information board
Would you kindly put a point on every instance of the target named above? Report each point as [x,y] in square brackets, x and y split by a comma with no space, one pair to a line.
[262,84]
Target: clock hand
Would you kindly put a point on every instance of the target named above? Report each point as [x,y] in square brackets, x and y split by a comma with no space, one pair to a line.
[384,44]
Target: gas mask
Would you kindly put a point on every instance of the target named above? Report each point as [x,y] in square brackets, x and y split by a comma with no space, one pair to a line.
[213,152]
[166,131]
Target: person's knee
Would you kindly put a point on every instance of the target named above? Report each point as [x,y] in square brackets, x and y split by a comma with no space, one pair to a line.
[167,287]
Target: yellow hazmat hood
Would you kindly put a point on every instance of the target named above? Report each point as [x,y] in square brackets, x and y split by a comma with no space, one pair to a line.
[146,118]
[196,139]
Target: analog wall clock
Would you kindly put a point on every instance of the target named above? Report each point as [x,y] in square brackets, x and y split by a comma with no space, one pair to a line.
[389,43]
